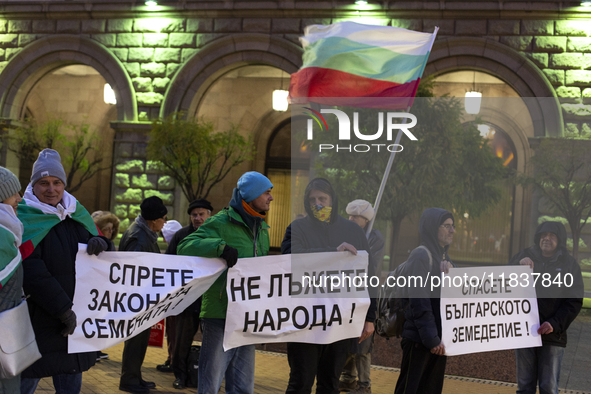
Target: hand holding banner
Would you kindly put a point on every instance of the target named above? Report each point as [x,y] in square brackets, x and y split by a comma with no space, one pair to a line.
[120,294]
[267,305]
[483,310]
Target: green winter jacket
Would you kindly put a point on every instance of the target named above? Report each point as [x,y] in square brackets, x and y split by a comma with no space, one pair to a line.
[227,227]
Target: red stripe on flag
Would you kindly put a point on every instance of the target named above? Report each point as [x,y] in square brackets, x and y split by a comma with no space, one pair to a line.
[26,249]
[316,83]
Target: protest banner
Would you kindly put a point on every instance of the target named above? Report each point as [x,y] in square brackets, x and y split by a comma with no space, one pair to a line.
[267,303]
[120,294]
[485,309]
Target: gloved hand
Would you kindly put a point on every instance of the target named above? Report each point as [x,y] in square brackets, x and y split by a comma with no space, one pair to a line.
[96,245]
[230,255]
[69,319]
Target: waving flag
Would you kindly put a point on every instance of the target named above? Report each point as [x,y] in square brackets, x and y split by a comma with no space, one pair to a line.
[348,59]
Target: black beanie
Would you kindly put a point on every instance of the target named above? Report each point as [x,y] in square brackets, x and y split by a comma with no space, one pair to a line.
[153,208]
[199,203]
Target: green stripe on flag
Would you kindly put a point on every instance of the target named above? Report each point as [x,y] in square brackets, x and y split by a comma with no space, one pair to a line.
[37,224]
[342,54]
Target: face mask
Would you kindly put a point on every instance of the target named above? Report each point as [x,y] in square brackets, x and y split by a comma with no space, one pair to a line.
[321,213]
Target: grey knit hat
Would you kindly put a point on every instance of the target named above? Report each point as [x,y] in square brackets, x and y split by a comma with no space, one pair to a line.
[9,184]
[49,163]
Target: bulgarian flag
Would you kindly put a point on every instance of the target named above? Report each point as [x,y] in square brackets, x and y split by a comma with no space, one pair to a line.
[39,218]
[370,63]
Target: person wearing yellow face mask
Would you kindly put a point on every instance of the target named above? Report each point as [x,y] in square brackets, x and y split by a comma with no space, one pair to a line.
[323,230]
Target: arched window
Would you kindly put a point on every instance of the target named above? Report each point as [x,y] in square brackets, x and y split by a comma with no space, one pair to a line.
[486,240]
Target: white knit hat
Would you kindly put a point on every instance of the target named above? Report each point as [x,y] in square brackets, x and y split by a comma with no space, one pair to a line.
[169,229]
[360,208]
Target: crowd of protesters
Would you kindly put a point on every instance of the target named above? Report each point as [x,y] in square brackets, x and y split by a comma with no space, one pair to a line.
[42,229]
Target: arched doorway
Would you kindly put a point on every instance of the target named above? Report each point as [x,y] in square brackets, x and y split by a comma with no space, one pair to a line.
[71,101]
[30,80]
[497,234]
[497,60]
[487,240]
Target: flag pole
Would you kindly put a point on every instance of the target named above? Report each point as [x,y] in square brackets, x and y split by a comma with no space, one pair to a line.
[385,179]
[391,159]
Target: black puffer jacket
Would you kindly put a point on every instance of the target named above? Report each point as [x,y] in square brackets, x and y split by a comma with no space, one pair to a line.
[50,279]
[310,235]
[423,317]
[558,306]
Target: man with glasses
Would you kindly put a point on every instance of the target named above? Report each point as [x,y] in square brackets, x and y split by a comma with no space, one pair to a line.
[423,354]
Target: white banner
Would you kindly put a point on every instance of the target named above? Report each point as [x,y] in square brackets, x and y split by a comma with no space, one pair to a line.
[486,308]
[120,294]
[266,305]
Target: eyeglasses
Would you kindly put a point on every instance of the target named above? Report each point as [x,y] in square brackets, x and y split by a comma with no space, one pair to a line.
[448,226]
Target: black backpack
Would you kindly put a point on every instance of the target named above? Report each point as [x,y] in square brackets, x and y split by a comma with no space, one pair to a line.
[393,302]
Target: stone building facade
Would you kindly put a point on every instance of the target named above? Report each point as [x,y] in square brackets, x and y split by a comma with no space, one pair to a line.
[169,58]
[174,58]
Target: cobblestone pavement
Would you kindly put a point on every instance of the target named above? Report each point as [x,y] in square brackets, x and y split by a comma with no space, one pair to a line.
[271,375]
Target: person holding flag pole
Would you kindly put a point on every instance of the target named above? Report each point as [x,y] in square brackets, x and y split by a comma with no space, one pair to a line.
[352,64]
[362,65]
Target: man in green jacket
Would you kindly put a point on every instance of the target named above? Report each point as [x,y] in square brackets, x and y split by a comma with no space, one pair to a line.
[238,231]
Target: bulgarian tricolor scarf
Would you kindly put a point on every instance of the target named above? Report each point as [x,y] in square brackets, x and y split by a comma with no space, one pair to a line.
[38,218]
[11,232]
[348,59]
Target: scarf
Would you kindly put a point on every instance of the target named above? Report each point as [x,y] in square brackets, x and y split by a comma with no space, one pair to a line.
[141,222]
[39,218]
[11,233]
[321,213]
[252,212]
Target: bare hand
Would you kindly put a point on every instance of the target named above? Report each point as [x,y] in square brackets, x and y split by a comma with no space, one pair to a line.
[368,329]
[348,247]
[439,350]
[545,328]
[527,261]
[445,266]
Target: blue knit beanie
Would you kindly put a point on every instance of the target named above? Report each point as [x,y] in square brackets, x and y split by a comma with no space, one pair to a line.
[252,184]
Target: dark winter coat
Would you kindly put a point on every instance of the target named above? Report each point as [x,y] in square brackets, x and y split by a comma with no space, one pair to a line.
[423,317]
[178,237]
[137,239]
[49,280]
[558,306]
[310,235]
[171,249]
[376,246]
